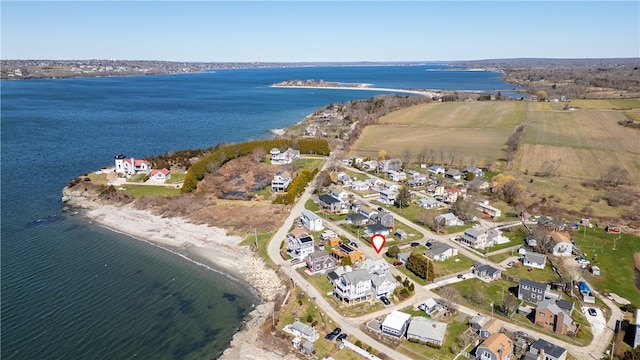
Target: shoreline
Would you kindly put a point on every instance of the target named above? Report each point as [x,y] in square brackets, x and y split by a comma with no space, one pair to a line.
[206,246]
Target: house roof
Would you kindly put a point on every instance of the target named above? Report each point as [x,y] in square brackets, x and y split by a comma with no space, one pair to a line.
[430,302]
[298,233]
[163,171]
[376,228]
[356,217]
[479,319]
[551,305]
[448,216]
[453,171]
[396,320]
[328,199]
[499,344]
[532,283]
[535,257]
[310,215]
[318,255]
[559,237]
[356,276]
[487,268]
[565,305]
[427,328]
[303,328]
[493,326]
[438,248]
[379,280]
[549,348]
[474,232]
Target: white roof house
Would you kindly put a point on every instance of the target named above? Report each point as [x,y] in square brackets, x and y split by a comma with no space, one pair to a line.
[311,221]
[395,323]
[426,330]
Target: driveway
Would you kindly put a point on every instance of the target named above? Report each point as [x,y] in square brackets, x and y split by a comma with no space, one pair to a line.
[598,323]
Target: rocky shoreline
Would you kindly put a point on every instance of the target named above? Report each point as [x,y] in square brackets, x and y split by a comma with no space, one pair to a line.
[203,244]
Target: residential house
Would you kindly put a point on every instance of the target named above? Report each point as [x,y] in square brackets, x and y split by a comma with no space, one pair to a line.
[453,174]
[353,287]
[451,195]
[131,166]
[413,183]
[357,219]
[550,223]
[344,179]
[544,350]
[320,261]
[418,177]
[636,340]
[531,242]
[476,239]
[160,175]
[338,193]
[299,247]
[395,323]
[534,260]
[487,209]
[302,330]
[492,326]
[486,272]
[387,197]
[426,330]
[551,317]
[429,306]
[311,221]
[359,185]
[283,158]
[385,218]
[440,251]
[404,256]
[330,204]
[428,203]
[532,291]
[495,236]
[397,176]
[478,321]
[477,172]
[562,245]
[401,234]
[368,212]
[369,165]
[449,219]
[375,267]
[281,181]
[496,347]
[307,348]
[374,229]
[383,285]
[391,164]
[343,250]
[436,169]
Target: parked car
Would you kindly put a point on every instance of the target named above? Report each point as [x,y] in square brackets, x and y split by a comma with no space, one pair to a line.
[592,311]
[414,244]
[385,300]
[583,261]
[430,241]
[460,276]
[295,261]
[354,244]
[329,336]
[521,334]
[510,263]
[342,336]
[397,263]
[336,331]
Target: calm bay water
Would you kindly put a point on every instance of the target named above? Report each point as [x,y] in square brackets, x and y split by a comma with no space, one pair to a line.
[73,290]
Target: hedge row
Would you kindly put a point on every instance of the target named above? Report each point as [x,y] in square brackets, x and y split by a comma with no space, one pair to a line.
[296,187]
[225,152]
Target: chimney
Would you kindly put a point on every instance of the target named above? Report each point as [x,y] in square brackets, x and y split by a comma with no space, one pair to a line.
[541,354]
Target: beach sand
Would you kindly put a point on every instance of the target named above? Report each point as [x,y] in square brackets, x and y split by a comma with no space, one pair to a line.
[208,246]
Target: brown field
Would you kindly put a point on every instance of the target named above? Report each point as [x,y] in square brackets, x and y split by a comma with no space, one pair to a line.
[606,104]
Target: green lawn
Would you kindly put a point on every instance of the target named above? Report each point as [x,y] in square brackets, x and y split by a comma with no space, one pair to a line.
[309,164]
[139,191]
[451,266]
[614,255]
[523,272]
[311,205]
[263,243]
[176,178]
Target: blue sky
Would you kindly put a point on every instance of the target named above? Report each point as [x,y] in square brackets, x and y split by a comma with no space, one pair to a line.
[297,31]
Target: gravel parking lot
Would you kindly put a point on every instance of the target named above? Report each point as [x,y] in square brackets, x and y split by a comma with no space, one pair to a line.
[598,323]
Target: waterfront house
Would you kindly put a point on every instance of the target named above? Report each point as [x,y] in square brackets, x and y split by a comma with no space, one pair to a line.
[311,221]
[353,287]
[395,323]
[283,158]
[131,166]
[301,330]
[160,175]
[320,261]
[281,181]
[426,330]
[299,245]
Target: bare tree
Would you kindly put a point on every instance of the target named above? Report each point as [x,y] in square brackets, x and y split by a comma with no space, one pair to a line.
[258,154]
[614,176]
[438,223]
[407,155]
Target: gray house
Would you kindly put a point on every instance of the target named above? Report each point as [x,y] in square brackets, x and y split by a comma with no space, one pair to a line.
[550,351]
[357,219]
[534,260]
[532,291]
[385,218]
[427,330]
[320,261]
[486,272]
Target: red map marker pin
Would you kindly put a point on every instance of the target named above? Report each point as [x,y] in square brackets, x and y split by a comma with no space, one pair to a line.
[378,242]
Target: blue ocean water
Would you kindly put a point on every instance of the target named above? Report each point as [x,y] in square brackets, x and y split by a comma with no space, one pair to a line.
[71,289]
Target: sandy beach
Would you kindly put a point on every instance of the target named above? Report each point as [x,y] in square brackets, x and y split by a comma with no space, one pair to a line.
[210,247]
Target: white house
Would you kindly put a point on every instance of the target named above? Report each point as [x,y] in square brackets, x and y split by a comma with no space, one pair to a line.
[353,287]
[546,350]
[337,193]
[160,175]
[427,330]
[534,260]
[562,245]
[397,175]
[429,306]
[436,169]
[311,221]
[387,197]
[131,166]
[383,285]
[283,158]
[359,185]
[449,219]
[395,323]
[440,251]
[299,247]
[428,203]
[495,236]
[281,181]
[475,238]
[301,330]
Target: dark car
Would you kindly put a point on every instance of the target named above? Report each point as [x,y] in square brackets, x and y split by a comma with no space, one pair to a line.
[336,331]
[342,336]
[415,243]
[397,263]
[592,312]
[354,244]
[329,336]
[385,300]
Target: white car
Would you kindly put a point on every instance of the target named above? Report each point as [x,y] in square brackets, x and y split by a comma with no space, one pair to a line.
[583,261]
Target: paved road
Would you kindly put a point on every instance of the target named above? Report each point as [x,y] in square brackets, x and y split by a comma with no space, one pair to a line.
[422,293]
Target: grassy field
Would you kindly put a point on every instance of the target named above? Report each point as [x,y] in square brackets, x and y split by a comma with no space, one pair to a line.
[139,191]
[606,104]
